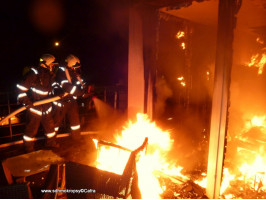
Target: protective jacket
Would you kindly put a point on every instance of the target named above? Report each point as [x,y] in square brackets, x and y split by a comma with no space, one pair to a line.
[68,81]
[37,85]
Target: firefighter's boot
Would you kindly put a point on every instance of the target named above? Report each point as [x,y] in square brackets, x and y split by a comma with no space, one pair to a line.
[51,143]
[28,146]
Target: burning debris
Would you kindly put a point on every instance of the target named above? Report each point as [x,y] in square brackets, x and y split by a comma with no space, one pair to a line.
[244,175]
[259,59]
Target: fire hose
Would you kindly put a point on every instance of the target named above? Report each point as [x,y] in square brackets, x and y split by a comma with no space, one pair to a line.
[36,103]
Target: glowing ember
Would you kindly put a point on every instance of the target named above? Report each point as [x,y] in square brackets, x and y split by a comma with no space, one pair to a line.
[180,78]
[183,45]
[208,75]
[150,161]
[180,34]
[259,40]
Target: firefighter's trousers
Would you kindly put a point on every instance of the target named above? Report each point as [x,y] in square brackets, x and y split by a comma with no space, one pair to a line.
[70,110]
[34,119]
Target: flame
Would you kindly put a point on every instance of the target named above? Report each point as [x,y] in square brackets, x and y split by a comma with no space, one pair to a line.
[183,45]
[254,173]
[258,60]
[181,78]
[251,172]
[227,178]
[180,34]
[149,162]
[256,121]
[208,75]
[183,83]
[259,40]
[202,182]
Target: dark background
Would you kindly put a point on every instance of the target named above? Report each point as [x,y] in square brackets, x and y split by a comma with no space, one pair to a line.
[94,30]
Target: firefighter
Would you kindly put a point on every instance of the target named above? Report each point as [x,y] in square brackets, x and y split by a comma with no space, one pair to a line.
[68,80]
[37,85]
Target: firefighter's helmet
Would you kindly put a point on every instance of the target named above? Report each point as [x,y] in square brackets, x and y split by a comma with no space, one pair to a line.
[47,59]
[72,61]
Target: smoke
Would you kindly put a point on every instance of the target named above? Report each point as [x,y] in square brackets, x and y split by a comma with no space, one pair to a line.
[109,121]
[163,93]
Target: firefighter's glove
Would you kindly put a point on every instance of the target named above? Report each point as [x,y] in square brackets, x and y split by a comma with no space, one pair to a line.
[58,92]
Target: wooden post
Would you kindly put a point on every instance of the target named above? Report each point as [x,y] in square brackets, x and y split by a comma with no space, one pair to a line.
[220,99]
[135,64]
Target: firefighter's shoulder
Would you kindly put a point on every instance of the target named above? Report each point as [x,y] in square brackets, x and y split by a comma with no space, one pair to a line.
[29,70]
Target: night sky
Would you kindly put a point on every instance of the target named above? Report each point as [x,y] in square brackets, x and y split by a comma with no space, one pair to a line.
[94,30]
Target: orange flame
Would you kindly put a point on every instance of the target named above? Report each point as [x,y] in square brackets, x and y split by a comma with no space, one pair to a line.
[255,121]
[252,170]
[154,159]
[183,45]
[254,173]
[180,34]
[180,78]
[226,180]
[259,40]
[182,82]
[258,60]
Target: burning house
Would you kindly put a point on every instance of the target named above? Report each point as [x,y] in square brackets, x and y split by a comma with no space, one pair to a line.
[196,115]
[205,60]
